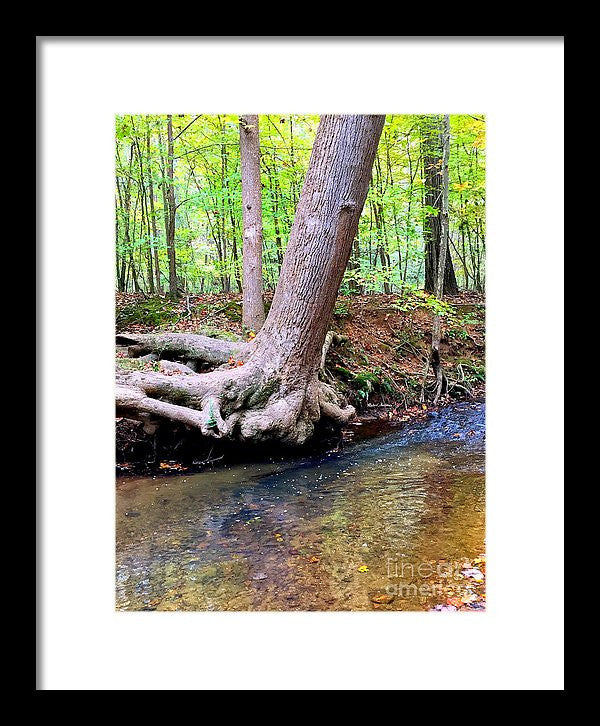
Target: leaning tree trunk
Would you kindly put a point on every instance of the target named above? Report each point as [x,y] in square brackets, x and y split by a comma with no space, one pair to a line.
[432,230]
[275,393]
[253,308]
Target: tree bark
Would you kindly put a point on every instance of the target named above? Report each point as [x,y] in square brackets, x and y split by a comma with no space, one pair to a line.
[154,243]
[440,381]
[432,171]
[171,208]
[276,393]
[253,309]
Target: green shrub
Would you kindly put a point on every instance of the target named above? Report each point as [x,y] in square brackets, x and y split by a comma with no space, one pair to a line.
[341,310]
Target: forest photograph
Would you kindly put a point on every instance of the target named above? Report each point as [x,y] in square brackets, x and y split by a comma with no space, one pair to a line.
[303,437]
[300,362]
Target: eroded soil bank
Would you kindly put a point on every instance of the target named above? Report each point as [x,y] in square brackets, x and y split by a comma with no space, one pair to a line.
[378,361]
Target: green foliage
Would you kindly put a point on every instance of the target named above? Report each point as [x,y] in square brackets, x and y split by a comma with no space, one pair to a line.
[388,253]
[457,334]
[341,310]
[367,382]
[417,299]
[469,318]
[474,373]
[211,421]
[130,364]
[136,364]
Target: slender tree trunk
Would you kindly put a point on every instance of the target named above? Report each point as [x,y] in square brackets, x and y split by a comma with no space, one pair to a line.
[171,209]
[253,310]
[234,230]
[432,169]
[157,282]
[145,215]
[222,215]
[354,267]
[382,235]
[275,211]
[124,191]
[440,380]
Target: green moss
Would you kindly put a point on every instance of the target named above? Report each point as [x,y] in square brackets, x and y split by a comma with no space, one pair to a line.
[366,381]
[262,393]
[343,373]
[233,311]
[219,334]
[152,311]
[130,364]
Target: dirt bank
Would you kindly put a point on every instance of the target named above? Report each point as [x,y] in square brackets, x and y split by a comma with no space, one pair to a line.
[377,358]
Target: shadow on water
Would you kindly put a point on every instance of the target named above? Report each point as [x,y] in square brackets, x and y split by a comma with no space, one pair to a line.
[334,532]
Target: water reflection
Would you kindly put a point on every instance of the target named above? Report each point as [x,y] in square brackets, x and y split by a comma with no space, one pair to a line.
[331,533]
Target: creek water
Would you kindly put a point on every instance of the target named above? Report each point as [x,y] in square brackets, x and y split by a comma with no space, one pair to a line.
[390,523]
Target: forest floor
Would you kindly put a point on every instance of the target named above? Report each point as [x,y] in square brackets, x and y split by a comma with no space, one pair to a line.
[379,362]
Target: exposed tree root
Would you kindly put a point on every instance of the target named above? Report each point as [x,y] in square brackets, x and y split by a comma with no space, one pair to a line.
[184,347]
[275,394]
[253,402]
[330,339]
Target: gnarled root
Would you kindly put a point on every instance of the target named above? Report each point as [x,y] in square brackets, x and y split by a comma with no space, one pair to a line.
[250,403]
[331,406]
[184,347]
[331,338]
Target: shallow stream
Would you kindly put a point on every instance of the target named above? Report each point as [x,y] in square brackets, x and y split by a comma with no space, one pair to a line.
[391,523]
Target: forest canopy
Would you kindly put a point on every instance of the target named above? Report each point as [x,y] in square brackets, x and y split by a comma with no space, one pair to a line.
[191,163]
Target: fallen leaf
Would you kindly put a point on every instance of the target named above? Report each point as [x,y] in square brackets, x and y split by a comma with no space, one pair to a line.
[474,574]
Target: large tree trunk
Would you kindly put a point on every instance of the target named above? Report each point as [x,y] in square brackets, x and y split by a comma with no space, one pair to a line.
[276,392]
[432,168]
[253,309]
